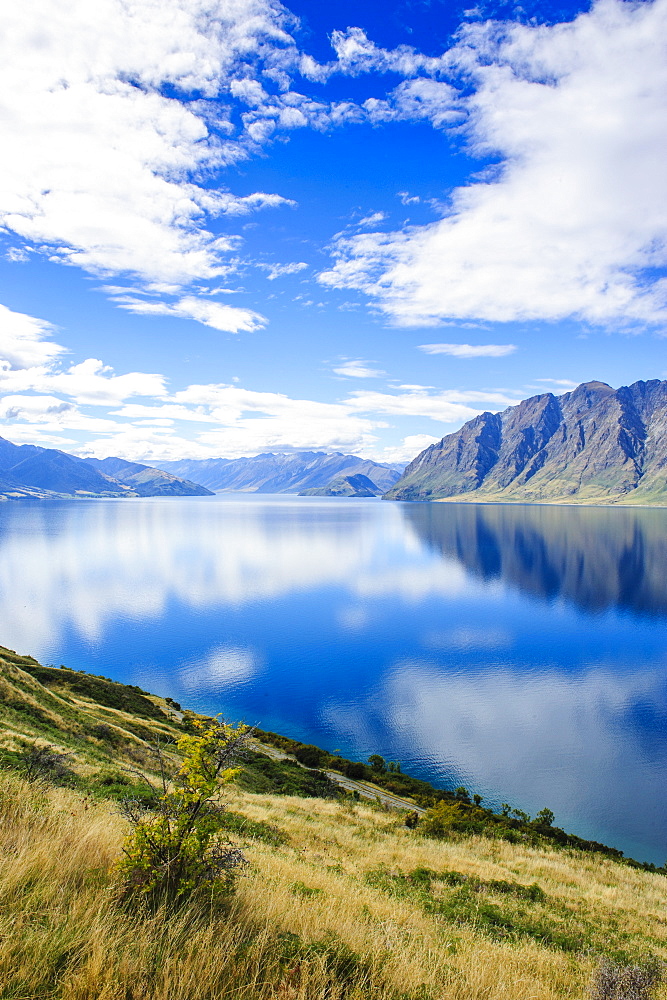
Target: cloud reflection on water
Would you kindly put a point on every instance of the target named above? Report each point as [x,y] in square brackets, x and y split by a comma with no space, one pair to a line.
[516,649]
[83,565]
[547,738]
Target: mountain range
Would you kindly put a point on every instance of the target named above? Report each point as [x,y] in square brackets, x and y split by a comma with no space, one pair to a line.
[594,444]
[283,473]
[28,471]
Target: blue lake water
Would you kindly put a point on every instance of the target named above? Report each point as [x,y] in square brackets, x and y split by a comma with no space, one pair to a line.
[517,650]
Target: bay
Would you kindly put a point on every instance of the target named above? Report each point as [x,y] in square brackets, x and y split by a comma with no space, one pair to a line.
[517,650]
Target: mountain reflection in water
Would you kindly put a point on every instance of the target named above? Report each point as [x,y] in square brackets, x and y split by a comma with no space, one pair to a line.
[595,557]
[519,651]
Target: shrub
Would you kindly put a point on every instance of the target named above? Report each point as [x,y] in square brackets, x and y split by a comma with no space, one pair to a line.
[311,756]
[445,818]
[626,982]
[175,846]
[355,770]
[43,765]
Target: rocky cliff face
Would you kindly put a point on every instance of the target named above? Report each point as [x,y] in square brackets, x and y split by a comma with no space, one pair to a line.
[592,444]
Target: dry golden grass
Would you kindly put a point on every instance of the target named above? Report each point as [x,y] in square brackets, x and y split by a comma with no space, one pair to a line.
[63,937]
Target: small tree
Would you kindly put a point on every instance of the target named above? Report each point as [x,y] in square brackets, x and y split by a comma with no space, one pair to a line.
[175,846]
[545,817]
[377,763]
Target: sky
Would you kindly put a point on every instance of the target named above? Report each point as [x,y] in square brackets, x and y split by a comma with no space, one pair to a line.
[233,226]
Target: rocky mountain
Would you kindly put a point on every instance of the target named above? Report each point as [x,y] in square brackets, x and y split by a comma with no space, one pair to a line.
[146,481]
[594,444]
[281,473]
[345,486]
[42,473]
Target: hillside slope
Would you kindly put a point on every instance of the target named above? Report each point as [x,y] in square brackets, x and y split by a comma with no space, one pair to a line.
[594,444]
[345,486]
[146,481]
[340,900]
[29,471]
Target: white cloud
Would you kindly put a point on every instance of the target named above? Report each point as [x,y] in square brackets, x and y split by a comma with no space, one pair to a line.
[409,448]
[565,382]
[448,406]
[356,54]
[50,414]
[357,368]
[469,350]
[280,270]
[576,219]
[231,421]
[417,100]
[232,319]
[90,382]
[373,219]
[97,162]
[25,341]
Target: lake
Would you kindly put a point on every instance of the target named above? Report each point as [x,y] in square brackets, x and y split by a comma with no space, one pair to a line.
[519,651]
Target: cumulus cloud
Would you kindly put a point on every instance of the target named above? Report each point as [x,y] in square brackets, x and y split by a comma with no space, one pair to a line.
[89,383]
[98,162]
[25,341]
[469,350]
[213,420]
[574,222]
[417,100]
[357,54]
[411,446]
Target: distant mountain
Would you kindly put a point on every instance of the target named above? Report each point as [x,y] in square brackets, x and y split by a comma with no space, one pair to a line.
[146,481]
[594,444]
[42,473]
[28,470]
[345,486]
[282,473]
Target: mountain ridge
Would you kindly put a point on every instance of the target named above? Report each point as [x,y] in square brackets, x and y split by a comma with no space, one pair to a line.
[289,472]
[594,444]
[31,472]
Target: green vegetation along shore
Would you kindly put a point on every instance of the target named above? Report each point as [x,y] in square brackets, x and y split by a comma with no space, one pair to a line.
[340,897]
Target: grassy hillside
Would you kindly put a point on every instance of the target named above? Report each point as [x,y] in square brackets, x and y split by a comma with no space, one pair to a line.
[340,899]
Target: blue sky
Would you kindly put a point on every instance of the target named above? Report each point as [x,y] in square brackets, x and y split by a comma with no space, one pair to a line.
[232,226]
